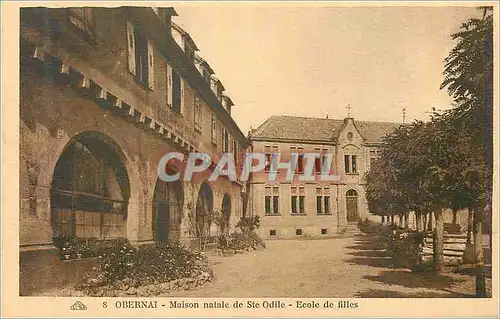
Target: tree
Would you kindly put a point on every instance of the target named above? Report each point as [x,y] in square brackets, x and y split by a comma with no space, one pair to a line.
[469,80]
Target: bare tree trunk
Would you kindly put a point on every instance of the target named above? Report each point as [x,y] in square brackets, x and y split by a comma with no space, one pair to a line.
[418,218]
[407,220]
[470,215]
[438,241]
[429,221]
[424,221]
[383,220]
[478,252]
[392,220]
[455,217]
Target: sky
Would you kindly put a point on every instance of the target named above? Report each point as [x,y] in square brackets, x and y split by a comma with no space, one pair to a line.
[311,60]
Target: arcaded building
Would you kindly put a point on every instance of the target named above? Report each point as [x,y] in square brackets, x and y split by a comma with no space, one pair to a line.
[314,208]
[105,93]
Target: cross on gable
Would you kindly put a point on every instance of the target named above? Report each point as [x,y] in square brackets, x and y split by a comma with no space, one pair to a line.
[348,107]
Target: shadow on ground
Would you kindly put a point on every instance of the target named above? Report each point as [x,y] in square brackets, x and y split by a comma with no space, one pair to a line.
[369,250]
[379,293]
[415,280]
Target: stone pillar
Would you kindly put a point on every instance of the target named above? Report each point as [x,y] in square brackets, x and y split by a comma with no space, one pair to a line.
[188,222]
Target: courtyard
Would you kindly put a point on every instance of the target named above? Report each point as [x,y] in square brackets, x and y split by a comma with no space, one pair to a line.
[349,266]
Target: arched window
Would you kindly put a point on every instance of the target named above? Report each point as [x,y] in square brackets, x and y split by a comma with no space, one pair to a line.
[352,192]
[90,191]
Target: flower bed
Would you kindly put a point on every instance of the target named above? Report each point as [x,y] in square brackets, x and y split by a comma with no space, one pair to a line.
[125,270]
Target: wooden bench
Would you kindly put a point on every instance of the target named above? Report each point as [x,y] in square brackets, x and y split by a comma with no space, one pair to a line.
[451,228]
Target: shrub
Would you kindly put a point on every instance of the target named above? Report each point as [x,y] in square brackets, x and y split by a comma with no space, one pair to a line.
[405,247]
[242,240]
[370,227]
[245,241]
[249,223]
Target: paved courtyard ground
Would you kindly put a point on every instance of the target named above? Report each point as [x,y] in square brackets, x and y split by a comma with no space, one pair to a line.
[355,266]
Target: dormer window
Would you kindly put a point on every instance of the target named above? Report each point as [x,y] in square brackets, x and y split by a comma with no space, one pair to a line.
[189,51]
[204,69]
[217,87]
[206,75]
[227,103]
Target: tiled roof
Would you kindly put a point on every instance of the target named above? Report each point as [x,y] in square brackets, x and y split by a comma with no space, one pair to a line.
[319,129]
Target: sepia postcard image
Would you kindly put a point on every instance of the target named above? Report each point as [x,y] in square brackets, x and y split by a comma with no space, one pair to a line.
[281,159]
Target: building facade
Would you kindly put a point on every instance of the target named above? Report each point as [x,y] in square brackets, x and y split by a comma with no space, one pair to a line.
[315,207]
[105,93]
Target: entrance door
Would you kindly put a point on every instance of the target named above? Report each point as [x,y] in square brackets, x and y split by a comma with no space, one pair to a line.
[352,205]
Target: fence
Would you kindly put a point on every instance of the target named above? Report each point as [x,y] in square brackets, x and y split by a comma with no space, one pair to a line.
[454,246]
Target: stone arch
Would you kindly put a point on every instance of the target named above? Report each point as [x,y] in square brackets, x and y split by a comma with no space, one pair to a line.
[90,188]
[226,213]
[168,201]
[204,211]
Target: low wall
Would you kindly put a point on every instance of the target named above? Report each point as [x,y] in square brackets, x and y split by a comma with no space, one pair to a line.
[43,270]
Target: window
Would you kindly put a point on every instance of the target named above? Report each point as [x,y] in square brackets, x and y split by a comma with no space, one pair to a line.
[268,205]
[300,163]
[350,163]
[235,152]
[176,92]
[298,232]
[268,163]
[189,51]
[324,231]
[294,204]
[319,205]
[301,204]
[272,194]
[354,164]
[327,204]
[206,75]
[82,22]
[297,202]
[197,114]
[276,200]
[317,165]
[225,141]
[272,232]
[214,129]
[322,201]
[140,56]
[89,194]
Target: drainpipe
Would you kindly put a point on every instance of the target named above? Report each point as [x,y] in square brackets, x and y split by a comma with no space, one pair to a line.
[338,213]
